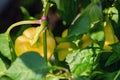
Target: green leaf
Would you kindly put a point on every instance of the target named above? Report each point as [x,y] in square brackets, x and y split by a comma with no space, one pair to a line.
[80,26]
[67,9]
[5,78]
[26,14]
[52,78]
[80,78]
[29,66]
[109,76]
[4,45]
[88,17]
[2,68]
[115,56]
[95,13]
[116,48]
[99,36]
[114,13]
[80,62]
[112,59]
[104,76]
[97,32]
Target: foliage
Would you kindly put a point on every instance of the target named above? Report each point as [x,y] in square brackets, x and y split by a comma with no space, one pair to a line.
[93,24]
[24,67]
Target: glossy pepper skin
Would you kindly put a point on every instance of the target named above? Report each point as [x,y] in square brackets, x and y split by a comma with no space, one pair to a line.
[23,43]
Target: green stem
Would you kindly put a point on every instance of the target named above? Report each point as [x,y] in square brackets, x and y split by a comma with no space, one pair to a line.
[8,33]
[93,55]
[61,68]
[115,78]
[60,76]
[20,23]
[44,34]
[13,55]
[45,44]
[43,24]
[47,8]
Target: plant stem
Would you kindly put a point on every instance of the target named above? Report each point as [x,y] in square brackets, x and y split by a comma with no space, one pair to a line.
[115,78]
[13,55]
[47,8]
[45,44]
[93,55]
[61,68]
[43,24]
[8,33]
[41,28]
[21,23]
[44,34]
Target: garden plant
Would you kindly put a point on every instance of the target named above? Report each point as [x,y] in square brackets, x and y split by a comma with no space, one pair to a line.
[87,47]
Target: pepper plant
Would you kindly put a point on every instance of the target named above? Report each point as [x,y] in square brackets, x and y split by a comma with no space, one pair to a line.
[88,49]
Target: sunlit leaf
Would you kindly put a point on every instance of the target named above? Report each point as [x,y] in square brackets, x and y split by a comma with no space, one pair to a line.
[52,78]
[114,13]
[4,45]
[99,36]
[80,62]
[2,68]
[29,66]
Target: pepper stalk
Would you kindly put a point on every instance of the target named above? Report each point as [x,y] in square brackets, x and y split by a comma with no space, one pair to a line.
[42,27]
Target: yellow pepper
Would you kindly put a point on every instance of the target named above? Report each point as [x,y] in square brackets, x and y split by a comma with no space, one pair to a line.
[23,43]
[110,37]
[64,48]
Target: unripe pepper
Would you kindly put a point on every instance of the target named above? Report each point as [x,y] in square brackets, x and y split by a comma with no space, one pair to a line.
[23,43]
